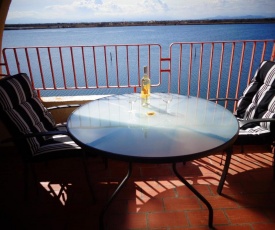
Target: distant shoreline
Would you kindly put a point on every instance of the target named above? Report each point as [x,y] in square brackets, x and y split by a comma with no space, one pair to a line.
[135,23]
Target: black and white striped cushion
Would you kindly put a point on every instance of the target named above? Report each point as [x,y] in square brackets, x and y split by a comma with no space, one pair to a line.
[258,100]
[23,113]
[58,143]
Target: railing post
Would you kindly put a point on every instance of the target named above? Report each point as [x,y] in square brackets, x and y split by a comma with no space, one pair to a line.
[273,52]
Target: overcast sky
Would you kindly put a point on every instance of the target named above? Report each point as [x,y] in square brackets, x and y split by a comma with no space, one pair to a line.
[51,11]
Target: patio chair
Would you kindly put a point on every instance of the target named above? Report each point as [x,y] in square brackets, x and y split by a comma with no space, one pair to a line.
[256,110]
[32,127]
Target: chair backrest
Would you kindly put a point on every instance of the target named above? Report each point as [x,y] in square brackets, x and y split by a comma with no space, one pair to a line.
[258,99]
[22,112]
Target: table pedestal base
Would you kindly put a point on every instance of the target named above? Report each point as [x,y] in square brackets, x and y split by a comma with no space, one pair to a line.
[210,209]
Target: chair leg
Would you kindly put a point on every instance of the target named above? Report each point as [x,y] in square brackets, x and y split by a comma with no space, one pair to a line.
[28,168]
[273,151]
[242,149]
[229,152]
[34,176]
[26,180]
[273,167]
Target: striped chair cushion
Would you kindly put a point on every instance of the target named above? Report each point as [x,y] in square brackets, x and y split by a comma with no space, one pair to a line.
[23,113]
[258,100]
[56,146]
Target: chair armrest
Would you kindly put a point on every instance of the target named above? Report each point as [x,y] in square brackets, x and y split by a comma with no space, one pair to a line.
[243,123]
[223,99]
[49,133]
[63,106]
[40,134]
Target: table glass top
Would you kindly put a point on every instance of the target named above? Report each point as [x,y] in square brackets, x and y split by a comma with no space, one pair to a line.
[189,126]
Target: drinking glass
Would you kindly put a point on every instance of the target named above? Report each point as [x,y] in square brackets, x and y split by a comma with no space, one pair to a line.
[132,98]
[167,98]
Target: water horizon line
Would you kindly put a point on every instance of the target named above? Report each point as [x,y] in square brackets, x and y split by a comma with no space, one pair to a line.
[60,25]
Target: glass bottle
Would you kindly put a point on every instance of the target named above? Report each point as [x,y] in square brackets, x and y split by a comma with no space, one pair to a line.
[145,87]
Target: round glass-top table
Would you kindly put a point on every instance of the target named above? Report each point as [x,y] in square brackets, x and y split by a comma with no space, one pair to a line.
[190,128]
[184,129]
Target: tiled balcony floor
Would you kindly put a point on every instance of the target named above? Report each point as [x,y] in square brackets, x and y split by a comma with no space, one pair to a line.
[153,198]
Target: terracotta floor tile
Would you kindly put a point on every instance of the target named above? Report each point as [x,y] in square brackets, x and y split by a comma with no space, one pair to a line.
[207,179]
[263,226]
[255,200]
[167,219]
[229,189]
[200,217]
[158,192]
[181,204]
[139,206]
[235,227]
[156,171]
[128,192]
[127,221]
[270,212]
[167,184]
[152,199]
[118,207]
[164,194]
[190,168]
[219,202]
[259,187]
[246,215]
[202,189]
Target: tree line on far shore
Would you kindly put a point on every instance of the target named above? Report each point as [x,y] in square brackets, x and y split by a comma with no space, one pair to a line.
[135,23]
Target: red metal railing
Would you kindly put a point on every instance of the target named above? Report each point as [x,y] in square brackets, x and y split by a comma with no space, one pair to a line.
[203,69]
[217,69]
[83,67]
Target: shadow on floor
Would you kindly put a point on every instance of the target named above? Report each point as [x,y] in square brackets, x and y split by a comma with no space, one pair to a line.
[153,198]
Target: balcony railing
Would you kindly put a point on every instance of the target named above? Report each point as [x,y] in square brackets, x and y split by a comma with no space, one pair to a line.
[203,69]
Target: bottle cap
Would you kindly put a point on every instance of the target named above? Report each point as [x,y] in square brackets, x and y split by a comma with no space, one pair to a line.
[145,69]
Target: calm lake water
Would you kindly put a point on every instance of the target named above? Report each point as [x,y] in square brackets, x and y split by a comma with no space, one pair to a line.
[163,35]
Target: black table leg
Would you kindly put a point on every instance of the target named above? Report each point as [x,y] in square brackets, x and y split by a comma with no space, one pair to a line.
[210,209]
[225,169]
[122,183]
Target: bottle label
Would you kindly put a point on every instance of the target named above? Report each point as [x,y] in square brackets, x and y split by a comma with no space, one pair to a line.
[145,88]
